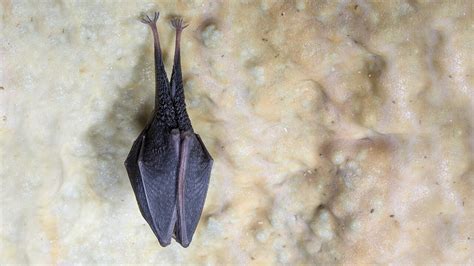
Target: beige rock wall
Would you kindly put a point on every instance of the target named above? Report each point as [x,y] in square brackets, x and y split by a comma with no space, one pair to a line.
[342,131]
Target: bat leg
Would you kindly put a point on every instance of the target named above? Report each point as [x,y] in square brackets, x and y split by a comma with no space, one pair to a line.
[163,101]
[194,172]
[177,90]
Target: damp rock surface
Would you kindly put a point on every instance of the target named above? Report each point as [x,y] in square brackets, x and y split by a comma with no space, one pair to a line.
[342,131]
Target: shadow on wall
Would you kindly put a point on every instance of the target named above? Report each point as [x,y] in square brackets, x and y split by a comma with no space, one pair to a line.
[112,137]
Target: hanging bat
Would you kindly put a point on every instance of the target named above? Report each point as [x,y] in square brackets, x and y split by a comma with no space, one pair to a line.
[169,167]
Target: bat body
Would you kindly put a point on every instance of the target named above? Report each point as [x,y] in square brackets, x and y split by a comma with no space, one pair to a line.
[168,165]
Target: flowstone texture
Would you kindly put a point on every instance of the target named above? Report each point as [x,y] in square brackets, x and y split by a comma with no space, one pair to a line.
[342,131]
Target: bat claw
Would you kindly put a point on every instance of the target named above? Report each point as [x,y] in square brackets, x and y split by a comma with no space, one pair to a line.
[178,24]
[147,20]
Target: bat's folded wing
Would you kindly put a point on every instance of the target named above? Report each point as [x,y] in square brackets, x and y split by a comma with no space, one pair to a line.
[196,182]
[131,164]
[152,168]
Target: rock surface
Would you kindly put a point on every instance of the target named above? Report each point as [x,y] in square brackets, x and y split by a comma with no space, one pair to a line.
[342,131]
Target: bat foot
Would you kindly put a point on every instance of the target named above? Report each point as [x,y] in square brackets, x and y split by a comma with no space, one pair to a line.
[178,23]
[151,21]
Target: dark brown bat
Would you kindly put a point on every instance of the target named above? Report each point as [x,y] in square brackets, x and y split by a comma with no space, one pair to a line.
[169,167]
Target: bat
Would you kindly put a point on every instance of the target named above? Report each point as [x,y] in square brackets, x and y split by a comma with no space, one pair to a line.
[168,165]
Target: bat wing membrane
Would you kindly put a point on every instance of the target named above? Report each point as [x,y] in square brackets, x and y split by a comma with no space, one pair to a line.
[154,181]
[131,164]
[197,171]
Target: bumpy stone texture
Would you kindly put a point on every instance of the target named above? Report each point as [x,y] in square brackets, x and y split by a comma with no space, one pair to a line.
[342,131]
